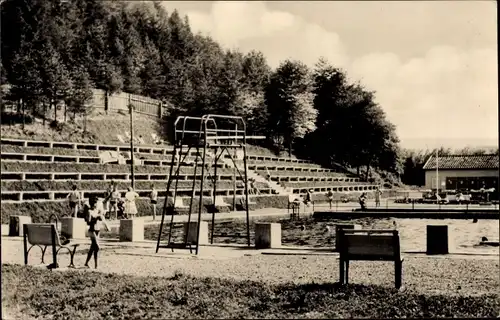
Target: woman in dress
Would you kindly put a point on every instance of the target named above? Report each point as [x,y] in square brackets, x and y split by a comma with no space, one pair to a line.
[94,216]
[130,207]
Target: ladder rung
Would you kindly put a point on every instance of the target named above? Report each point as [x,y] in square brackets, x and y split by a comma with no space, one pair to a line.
[176,246]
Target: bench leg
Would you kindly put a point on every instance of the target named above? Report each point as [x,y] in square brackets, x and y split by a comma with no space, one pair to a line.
[72,264]
[398,271]
[347,272]
[43,253]
[25,240]
[341,271]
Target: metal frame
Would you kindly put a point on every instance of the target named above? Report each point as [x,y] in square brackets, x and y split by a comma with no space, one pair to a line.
[205,138]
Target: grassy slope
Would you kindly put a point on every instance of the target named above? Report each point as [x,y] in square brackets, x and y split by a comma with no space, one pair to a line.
[101,128]
[76,295]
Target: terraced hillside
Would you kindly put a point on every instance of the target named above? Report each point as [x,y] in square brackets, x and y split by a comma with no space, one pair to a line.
[38,174]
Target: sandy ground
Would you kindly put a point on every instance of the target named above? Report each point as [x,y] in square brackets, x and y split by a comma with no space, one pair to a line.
[451,274]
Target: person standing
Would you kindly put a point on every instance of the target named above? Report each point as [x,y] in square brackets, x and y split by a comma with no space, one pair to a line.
[254,189]
[362,201]
[377,197]
[130,207]
[75,200]
[329,195]
[113,201]
[107,198]
[153,196]
[94,216]
[308,198]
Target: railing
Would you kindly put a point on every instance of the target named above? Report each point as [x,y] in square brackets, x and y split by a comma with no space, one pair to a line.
[354,188]
[120,101]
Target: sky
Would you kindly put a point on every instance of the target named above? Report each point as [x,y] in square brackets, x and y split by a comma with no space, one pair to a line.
[432,64]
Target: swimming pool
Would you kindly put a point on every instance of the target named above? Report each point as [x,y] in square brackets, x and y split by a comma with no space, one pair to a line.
[463,235]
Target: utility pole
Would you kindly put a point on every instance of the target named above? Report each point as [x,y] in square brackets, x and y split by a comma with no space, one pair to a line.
[437,172]
[131,112]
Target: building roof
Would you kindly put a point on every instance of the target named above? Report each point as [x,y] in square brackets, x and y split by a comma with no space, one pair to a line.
[458,162]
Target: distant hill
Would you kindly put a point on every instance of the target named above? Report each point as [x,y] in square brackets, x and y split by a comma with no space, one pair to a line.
[423,144]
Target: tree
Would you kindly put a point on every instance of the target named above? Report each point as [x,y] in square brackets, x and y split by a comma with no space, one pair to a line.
[56,80]
[152,78]
[256,71]
[230,84]
[351,124]
[289,103]
[79,102]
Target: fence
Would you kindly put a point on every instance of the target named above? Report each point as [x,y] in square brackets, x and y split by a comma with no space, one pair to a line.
[120,101]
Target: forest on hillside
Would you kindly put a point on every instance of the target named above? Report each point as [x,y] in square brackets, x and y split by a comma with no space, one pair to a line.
[56,51]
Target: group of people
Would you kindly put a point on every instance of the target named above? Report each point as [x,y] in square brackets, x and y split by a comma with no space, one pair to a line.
[94,212]
[113,205]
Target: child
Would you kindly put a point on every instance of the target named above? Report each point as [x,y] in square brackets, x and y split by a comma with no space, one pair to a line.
[94,216]
[113,202]
[74,201]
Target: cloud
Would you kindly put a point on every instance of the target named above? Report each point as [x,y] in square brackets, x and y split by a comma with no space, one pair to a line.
[280,35]
[447,94]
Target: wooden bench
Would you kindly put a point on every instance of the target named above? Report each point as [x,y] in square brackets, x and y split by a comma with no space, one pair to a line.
[369,245]
[44,235]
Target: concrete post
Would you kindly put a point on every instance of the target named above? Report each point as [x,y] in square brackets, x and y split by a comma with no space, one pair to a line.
[193,230]
[73,228]
[437,239]
[267,235]
[16,225]
[131,230]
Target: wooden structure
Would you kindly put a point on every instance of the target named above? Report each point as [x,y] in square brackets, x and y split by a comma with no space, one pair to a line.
[212,136]
[369,245]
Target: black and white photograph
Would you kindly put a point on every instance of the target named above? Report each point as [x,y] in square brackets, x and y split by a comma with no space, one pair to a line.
[249,159]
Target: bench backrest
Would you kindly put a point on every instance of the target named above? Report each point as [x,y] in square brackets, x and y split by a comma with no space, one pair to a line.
[370,244]
[41,233]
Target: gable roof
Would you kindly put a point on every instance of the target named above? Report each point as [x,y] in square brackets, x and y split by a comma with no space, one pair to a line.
[487,161]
